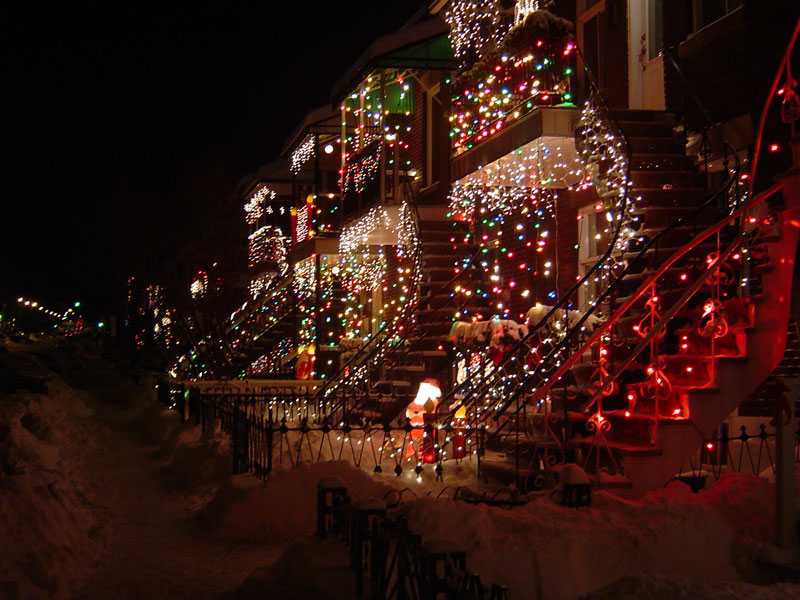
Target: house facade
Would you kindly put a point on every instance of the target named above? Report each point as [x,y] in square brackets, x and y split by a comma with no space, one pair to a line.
[567,223]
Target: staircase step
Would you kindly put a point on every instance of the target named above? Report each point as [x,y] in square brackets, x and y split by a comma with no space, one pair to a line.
[638,114]
[667,180]
[436,274]
[661,162]
[660,197]
[657,217]
[444,225]
[459,248]
[441,260]
[435,235]
[655,145]
[646,129]
[423,354]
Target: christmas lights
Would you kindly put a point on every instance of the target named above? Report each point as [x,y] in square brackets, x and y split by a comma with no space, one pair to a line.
[199,285]
[501,89]
[267,243]
[357,233]
[523,8]
[303,153]
[519,182]
[255,207]
[475,27]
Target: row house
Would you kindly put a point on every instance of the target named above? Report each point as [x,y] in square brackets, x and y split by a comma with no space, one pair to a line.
[556,231]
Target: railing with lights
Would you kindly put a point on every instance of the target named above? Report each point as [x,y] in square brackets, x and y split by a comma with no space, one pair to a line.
[214,354]
[654,397]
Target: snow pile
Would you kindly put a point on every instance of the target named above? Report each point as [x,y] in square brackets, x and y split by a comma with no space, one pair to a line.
[195,461]
[156,423]
[283,507]
[545,550]
[309,569]
[746,502]
[48,534]
[652,587]
[198,461]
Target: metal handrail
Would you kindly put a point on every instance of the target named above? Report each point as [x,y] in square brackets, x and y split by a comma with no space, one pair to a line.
[726,144]
[598,333]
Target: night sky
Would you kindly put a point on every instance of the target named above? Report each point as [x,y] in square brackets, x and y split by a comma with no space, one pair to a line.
[124,122]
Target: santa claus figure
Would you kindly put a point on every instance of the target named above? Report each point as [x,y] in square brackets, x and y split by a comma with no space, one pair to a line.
[421,412]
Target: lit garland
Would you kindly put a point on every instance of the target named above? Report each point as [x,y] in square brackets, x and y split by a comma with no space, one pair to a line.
[474,25]
[356,234]
[504,88]
[523,8]
[273,360]
[303,153]
[254,208]
[199,286]
[407,238]
[314,288]
[520,182]
[267,243]
[355,175]
[259,284]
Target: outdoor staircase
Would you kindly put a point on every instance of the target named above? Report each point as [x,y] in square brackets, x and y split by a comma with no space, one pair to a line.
[446,246]
[703,389]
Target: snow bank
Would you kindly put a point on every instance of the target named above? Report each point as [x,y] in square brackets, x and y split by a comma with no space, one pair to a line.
[48,534]
[309,569]
[283,507]
[198,462]
[547,551]
[194,461]
[156,423]
[652,587]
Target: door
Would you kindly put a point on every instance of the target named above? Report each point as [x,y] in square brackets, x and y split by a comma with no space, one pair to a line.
[591,37]
[645,63]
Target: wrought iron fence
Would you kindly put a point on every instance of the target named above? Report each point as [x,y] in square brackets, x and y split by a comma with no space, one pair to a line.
[742,452]
[395,562]
[281,429]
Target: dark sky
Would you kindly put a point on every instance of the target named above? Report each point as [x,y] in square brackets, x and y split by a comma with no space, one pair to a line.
[114,114]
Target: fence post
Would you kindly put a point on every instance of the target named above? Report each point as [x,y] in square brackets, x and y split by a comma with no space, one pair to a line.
[785,506]
[269,441]
[194,404]
[235,441]
[331,494]
[364,526]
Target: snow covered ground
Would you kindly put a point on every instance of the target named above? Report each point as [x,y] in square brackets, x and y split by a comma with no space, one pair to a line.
[104,494]
[91,507]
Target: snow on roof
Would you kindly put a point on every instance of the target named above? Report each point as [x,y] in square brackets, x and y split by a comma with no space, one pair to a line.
[314,117]
[408,35]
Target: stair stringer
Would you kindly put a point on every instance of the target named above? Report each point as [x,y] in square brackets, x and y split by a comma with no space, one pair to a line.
[734,380]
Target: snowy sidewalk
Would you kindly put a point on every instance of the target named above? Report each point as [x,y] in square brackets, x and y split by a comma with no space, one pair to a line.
[156,549]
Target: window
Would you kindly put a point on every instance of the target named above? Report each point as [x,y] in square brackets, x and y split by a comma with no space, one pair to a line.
[708,11]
